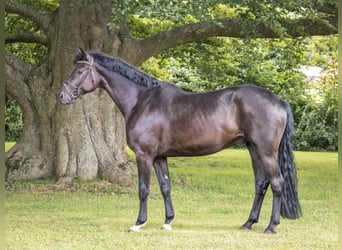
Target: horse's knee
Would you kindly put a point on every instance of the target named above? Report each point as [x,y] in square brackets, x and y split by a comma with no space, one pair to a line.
[261,187]
[143,192]
[277,185]
[165,189]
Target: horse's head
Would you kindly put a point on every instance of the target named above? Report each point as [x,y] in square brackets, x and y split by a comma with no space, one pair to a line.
[83,79]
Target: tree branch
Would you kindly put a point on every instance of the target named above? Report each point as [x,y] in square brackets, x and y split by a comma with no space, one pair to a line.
[17,76]
[230,28]
[42,20]
[328,8]
[16,71]
[27,38]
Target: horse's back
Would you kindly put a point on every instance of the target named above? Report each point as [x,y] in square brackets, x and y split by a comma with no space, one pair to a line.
[253,94]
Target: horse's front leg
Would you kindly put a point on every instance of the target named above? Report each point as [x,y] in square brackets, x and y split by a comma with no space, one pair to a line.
[162,172]
[144,164]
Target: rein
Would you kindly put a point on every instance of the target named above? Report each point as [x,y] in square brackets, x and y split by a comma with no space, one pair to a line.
[76,90]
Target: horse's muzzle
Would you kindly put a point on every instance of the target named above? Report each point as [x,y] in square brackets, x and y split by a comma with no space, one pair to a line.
[65,97]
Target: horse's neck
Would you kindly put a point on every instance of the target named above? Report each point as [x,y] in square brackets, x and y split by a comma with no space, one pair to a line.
[123,92]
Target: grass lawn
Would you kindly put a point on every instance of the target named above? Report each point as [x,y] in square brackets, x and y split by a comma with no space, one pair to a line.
[212,198]
[9,145]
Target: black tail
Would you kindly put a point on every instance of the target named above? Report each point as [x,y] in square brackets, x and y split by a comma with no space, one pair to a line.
[290,207]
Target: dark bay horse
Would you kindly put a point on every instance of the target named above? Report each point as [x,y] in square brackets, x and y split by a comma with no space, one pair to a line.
[162,120]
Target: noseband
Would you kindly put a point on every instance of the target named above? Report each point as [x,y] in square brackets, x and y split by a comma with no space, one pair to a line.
[76,90]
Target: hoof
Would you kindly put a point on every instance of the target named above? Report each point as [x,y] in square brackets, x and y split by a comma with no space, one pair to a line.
[136,228]
[245,227]
[166,227]
[270,231]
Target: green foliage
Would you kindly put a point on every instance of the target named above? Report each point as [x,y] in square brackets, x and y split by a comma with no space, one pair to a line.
[15,24]
[9,145]
[13,120]
[221,62]
[177,11]
[174,10]
[313,130]
[212,197]
[144,27]
[317,124]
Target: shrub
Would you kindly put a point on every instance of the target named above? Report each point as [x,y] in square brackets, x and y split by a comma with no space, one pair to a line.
[13,120]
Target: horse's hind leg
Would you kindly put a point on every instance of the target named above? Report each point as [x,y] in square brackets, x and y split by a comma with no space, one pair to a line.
[261,185]
[277,182]
[162,172]
[270,164]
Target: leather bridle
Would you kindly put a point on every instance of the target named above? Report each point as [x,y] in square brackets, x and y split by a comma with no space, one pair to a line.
[76,90]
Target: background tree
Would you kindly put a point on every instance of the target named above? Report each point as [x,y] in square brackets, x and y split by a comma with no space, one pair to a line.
[88,139]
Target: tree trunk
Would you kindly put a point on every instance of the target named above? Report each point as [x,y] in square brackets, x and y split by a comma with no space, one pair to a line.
[86,139]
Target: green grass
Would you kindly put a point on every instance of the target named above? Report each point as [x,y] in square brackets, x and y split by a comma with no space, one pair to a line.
[9,145]
[212,197]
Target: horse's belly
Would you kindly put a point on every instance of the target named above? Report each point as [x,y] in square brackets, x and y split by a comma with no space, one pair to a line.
[199,144]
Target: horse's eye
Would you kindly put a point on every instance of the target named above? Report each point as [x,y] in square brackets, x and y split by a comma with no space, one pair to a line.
[79,71]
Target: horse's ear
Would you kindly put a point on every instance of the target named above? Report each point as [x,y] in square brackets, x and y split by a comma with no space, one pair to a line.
[84,56]
[82,53]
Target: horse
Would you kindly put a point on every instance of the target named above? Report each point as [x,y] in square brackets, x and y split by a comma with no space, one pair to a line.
[162,120]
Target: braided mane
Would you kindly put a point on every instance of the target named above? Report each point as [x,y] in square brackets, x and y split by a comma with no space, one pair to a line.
[125,69]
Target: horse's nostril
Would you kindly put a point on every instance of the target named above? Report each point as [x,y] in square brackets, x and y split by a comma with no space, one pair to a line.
[61,96]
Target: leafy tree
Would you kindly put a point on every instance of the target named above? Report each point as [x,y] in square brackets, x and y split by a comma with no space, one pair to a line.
[87,139]
[317,124]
